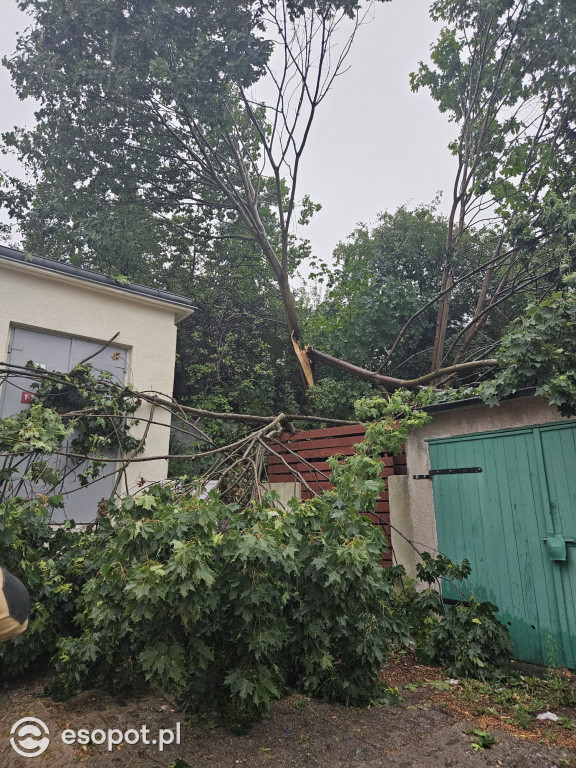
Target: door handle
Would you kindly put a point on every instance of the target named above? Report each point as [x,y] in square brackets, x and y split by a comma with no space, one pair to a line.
[556,546]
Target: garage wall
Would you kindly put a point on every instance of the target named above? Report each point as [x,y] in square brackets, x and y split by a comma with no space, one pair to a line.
[35,298]
[464,420]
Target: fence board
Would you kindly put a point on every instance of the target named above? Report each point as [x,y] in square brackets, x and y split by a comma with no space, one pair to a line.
[320,445]
[312,448]
[350,429]
[318,458]
[308,475]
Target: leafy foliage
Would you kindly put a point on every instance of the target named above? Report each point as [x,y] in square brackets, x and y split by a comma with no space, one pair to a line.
[223,616]
[52,563]
[232,354]
[389,421]
[334,397]
[37,429]
[466,639]
[431,569]
[224,608]
[525,68]
[380,277]
[481,739]
[503,72]
[539,351]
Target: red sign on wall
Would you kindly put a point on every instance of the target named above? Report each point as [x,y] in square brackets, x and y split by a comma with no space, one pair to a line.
[26,397]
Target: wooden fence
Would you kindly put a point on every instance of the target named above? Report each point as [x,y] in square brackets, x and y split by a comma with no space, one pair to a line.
[302,458]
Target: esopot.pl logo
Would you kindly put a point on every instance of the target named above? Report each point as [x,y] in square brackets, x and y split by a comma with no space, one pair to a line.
[30,737]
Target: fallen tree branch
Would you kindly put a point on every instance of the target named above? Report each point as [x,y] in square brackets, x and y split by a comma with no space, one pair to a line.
[392,382]
[253,436]
[102,348]
[158,398]
[240,416]
[297,476]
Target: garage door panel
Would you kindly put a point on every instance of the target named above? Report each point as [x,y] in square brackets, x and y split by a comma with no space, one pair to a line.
[559,456]
[47,350]
[491,518]
[62,353]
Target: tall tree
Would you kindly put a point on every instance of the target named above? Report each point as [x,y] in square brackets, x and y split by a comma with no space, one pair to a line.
[381,276]
[504,71]
[152,103]
[151,107]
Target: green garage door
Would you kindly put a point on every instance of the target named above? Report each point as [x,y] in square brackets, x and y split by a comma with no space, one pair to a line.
[511,510]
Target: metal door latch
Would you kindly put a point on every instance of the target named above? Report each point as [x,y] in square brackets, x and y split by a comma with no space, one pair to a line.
[449,471]
[556,546]
[456,471]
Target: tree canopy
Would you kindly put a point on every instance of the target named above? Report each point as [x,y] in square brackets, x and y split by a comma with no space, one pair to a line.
[153,149]
[503,70]
[380,277]
[148,112]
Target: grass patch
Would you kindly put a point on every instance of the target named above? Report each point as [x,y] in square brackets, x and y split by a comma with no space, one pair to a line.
[517,700]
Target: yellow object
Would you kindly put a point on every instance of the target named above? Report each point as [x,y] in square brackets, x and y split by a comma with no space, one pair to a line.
[14,606]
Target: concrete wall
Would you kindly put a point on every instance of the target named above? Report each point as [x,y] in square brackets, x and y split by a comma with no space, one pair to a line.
[520,412]
[286,492]
[38,299]
[401,531]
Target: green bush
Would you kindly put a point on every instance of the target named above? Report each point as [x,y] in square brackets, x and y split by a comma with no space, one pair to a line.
[53,566]
[468,641]
[465,639]
[223,608]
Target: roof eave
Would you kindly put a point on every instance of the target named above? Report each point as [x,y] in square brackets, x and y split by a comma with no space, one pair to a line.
[474,401]
[182,306]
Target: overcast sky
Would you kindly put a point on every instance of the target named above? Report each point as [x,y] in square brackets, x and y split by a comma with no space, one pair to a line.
[375,145]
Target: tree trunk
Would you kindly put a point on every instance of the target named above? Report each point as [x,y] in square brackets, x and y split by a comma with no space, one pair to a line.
[442,318]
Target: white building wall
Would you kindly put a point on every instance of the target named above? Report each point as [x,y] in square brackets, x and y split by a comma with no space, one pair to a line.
[38,299]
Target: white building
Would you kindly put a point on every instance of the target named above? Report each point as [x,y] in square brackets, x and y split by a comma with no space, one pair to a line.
[57,315]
